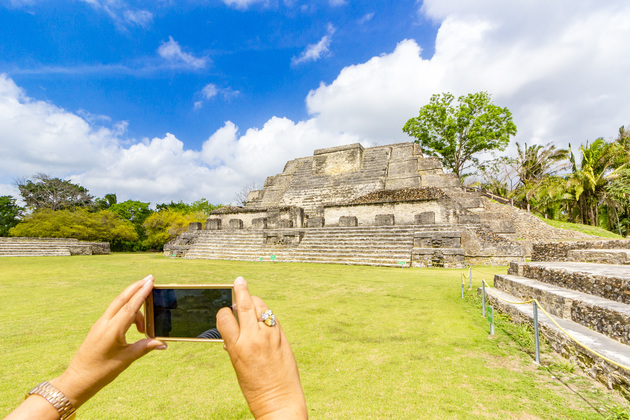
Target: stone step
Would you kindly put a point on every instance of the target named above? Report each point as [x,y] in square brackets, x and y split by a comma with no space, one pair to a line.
[384,262]
[595,366]
[605,316]
[607,281]
[600,256]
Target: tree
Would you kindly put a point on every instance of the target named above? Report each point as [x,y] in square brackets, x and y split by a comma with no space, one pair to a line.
[165,225]
[80,224]
[240,198]
[588,181]
[9,214]
[106,202]
[53,193]
[455,134]
[533,163]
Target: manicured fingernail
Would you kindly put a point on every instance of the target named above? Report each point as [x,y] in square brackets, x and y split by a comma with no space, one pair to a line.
[239,280]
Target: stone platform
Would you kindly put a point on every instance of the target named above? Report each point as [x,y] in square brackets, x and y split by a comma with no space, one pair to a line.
[49,247]
[589,301]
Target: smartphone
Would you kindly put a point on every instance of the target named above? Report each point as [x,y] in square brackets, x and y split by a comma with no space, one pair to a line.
[186,312]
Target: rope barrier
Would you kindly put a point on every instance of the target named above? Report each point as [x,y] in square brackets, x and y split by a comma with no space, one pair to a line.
[612,362]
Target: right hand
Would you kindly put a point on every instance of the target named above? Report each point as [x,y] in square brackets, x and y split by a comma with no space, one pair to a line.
[262,358]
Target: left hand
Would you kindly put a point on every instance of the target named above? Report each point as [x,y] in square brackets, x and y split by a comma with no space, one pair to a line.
[105,352]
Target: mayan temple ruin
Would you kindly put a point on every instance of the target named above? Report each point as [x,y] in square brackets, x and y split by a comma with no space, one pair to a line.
[385,205]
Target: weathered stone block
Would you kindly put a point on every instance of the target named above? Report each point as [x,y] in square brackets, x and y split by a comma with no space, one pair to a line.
[338,160]
[194,226]
[348,221]
[236,224]
[213,224]
[285,223]
[259,223]
[468,218]
[384,220]
[425,218]
[316,222]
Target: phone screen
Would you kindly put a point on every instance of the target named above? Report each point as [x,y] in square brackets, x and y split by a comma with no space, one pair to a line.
[187,313]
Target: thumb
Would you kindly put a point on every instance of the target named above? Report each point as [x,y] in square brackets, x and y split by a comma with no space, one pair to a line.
[146,345]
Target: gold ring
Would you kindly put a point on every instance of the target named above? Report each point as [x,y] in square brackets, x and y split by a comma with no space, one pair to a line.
[268,318]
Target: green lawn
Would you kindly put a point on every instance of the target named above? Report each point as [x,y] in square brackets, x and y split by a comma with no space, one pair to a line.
[370,343]
[588,229]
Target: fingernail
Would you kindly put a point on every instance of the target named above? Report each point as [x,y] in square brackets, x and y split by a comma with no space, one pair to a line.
[234,307]
[239,280]
[148,278]
[162,347]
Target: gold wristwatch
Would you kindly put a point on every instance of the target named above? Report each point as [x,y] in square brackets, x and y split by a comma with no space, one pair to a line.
[55,397]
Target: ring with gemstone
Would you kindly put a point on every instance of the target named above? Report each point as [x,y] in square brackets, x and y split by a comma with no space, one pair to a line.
[268,318]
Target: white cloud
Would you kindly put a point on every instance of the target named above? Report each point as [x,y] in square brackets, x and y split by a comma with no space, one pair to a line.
[36,136]
[559,67]
[122,15]
[366,18]
[316,51]
[243,4]
[138,17]
[172,52]
[210,91]
[337,2]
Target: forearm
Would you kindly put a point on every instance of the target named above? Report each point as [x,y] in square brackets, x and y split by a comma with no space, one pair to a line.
[34,407]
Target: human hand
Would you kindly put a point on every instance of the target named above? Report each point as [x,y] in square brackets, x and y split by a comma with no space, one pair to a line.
[262,358]
[105,352]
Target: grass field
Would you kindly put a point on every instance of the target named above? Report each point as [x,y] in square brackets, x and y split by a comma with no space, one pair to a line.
[381,343]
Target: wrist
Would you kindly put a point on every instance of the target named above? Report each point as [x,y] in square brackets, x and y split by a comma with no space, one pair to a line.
[297,411]
[72,387]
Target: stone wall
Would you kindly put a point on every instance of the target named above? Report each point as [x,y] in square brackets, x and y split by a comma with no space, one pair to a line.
[244,218]
[559,251]
[404,212]
[44,246]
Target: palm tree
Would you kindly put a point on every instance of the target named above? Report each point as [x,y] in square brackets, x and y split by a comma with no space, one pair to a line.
[535,166]
[588,180]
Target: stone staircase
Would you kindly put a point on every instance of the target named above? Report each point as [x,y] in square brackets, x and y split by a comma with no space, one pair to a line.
[377,246]
[590,301]
[49,247]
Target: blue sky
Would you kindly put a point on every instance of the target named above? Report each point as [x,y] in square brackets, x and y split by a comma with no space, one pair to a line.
[166,100]
[89,57]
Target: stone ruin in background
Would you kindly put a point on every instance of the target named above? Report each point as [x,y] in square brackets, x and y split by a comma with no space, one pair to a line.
[384,205]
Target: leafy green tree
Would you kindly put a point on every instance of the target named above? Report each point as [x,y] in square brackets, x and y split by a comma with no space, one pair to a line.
[106,202]
[456,134]
[203,206]
[179,206]
[80,223]
[165,225]
[9,214]
[45,192]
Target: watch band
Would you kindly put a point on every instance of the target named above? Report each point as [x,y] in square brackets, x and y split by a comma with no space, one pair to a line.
[55,397]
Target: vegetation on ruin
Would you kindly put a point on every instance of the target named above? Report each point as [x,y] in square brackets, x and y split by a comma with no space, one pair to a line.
[588,186]
[373,343]
[458,134]
[578,227]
